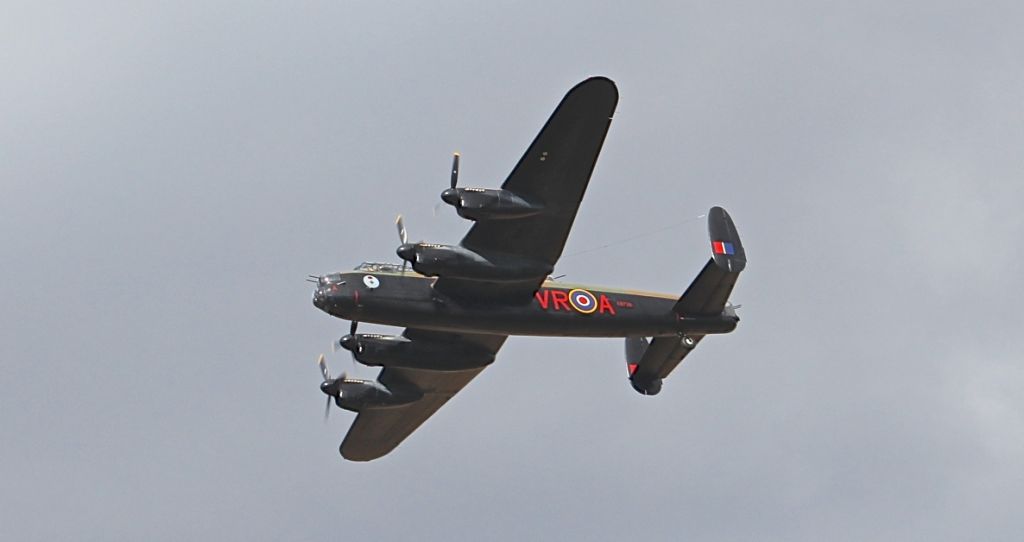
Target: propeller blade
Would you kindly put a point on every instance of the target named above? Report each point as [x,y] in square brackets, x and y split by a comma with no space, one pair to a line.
[327,409]
[455,169]
[322,362]
[401,230]
[352,332]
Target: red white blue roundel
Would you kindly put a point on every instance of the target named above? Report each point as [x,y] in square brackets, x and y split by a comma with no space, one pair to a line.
[583,301]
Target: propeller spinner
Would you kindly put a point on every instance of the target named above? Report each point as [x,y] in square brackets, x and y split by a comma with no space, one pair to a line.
[349,342]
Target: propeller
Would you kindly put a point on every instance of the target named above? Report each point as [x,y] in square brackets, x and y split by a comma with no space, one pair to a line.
[330,386]
[402,234]
[406,251]
[324,370]
[451,196]
[455,169]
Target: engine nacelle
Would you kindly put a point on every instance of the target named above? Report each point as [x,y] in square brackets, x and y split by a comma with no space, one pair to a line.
[488,203]
[397,351]
[359,394]
[455,261]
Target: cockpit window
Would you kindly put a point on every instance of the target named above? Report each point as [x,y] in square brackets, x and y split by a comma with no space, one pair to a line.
[375,267]
[333,278]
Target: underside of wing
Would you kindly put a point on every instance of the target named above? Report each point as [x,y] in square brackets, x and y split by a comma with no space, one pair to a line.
[552,176]
[378,430]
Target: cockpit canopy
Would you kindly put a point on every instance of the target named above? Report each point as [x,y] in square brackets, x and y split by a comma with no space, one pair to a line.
[376,267]
[333,278]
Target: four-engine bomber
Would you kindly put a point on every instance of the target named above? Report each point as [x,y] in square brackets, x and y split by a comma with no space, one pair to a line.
[459,303]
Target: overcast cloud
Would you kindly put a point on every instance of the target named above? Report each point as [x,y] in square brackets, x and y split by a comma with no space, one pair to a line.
[171,171]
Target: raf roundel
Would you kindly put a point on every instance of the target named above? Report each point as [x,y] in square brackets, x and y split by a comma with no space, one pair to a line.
[583,301]
[371,281]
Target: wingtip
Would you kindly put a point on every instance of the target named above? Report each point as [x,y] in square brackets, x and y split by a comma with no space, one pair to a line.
[600,78]
[599,89]
[357,457]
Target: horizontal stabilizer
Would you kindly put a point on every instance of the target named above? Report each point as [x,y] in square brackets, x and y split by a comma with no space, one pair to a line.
[708,295]
[709,292]
[650,363]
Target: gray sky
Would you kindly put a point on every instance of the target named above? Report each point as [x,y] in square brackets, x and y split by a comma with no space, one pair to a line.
[170,172]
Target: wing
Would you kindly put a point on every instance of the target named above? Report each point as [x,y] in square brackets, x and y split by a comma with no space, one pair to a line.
[553,174]
[378,430]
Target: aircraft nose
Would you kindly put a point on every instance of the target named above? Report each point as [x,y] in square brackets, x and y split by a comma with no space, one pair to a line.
[319,298]
[334,298]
